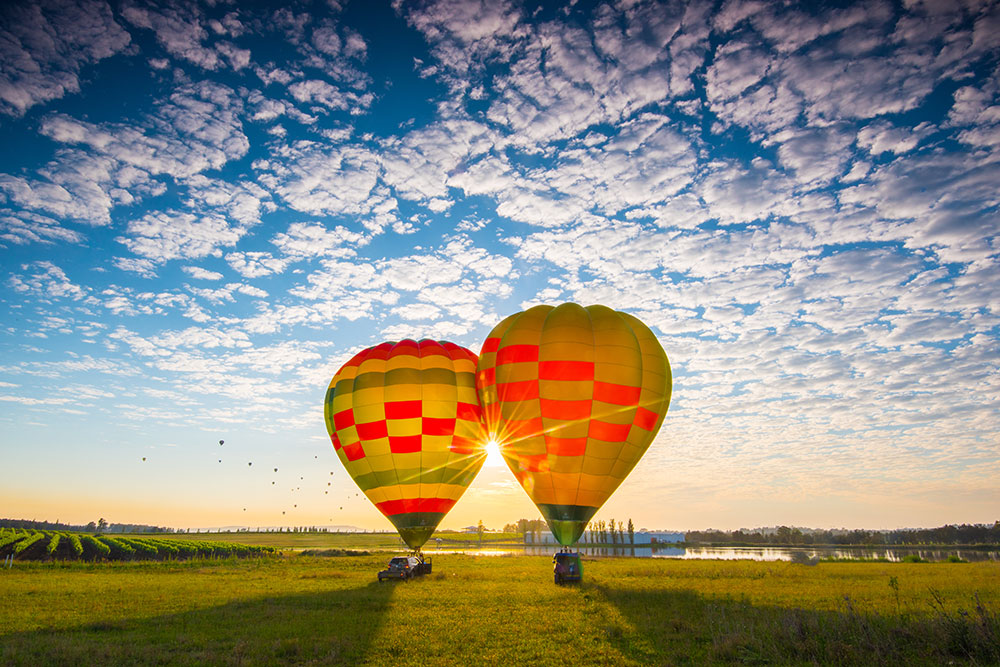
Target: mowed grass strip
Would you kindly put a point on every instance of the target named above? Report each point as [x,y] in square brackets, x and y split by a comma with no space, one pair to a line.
[500,609]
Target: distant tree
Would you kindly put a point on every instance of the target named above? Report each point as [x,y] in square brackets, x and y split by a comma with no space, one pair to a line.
[631,532]
[91,527]
[480,529]
[102,524]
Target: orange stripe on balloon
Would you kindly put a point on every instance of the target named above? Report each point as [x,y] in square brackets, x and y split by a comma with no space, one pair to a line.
[513,354]
[616,394]
[566,446]
[461,445]
[409,505]
[523,390]
[354,451]
[645,419]
[601,430]
[402,409]
[567,410]
[404,444]
[373,430]
[565,370]
[438,426]
[524,428]
[468,412]
[491,345]
[343,419]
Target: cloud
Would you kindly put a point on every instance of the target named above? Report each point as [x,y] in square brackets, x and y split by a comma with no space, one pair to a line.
[255,264]
[199,273]
[197,129]
[46,281]
[44,45]
[22,227]
[161,237]
[304,240]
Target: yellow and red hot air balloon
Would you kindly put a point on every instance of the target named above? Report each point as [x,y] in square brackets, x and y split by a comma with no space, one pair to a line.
[573,396]
[404,419]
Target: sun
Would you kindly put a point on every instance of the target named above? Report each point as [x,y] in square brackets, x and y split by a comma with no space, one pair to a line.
[493,455]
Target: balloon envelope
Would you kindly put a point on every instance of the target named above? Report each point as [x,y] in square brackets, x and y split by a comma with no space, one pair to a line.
[573,396]
[404,419]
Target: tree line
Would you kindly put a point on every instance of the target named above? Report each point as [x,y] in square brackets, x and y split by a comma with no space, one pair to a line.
[966,533]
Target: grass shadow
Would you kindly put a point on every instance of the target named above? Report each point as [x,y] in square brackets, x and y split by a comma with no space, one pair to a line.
[685,627]
[331,627]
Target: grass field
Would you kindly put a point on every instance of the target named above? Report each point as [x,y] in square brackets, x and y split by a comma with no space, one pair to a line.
[356,541]
[300,609]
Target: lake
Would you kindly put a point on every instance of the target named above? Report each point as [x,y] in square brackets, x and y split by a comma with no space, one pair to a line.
[793,554]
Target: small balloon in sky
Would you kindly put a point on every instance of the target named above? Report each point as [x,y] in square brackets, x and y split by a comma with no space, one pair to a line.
[275,470]
[221,442]
[249,463]
[220,460]
[143,458]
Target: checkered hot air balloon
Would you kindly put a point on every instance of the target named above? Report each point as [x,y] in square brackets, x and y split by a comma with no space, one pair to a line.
[404,419]
[573,396]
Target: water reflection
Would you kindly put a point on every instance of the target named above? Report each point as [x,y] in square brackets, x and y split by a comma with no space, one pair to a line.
[793,554]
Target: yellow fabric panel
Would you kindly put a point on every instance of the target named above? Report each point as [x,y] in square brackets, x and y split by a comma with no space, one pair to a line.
[381,494]
[613,414]
[348,436]
[566,464]
[436,443]
[518,372]
[528,324]
[341,402]
[398,427]
[380,461]
[439,409]
[368,412]
[402,392]
[371,396]
[359,467]
[371,365]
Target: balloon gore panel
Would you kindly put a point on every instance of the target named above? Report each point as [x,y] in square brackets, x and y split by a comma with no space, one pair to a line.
[404,419]
[574,396]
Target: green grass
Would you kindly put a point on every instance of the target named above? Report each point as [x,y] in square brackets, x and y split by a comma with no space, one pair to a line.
[367,541]
[471,610]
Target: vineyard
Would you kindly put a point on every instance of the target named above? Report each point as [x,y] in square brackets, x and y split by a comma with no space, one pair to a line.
[56,545]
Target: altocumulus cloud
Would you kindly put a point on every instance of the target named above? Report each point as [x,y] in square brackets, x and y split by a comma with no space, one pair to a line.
[224,203]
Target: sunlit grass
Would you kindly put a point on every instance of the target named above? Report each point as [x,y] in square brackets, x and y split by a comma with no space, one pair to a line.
[499,609]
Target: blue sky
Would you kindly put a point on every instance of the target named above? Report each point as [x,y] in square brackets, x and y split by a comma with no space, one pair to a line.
[206,209]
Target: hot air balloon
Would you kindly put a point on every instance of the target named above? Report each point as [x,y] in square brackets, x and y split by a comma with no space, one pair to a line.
[405,422]
[573,396]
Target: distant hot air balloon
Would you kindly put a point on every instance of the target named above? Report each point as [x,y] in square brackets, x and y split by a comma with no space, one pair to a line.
[404,420]
[573,396]
[221,442]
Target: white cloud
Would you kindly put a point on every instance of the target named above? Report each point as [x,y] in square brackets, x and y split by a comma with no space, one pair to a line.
[47,281]
[44,45]
[304,240]
[161,237]
[21,227]
[255,264]
[199,273]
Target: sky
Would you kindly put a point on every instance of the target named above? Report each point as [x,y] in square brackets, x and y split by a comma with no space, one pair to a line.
[206,209]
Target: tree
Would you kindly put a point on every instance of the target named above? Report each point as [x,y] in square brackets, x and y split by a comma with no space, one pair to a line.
[631,532]
[480,529]
[101,524]
[91,527]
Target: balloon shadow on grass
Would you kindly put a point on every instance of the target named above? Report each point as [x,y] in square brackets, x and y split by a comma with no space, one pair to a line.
[330,627]
[685,627]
